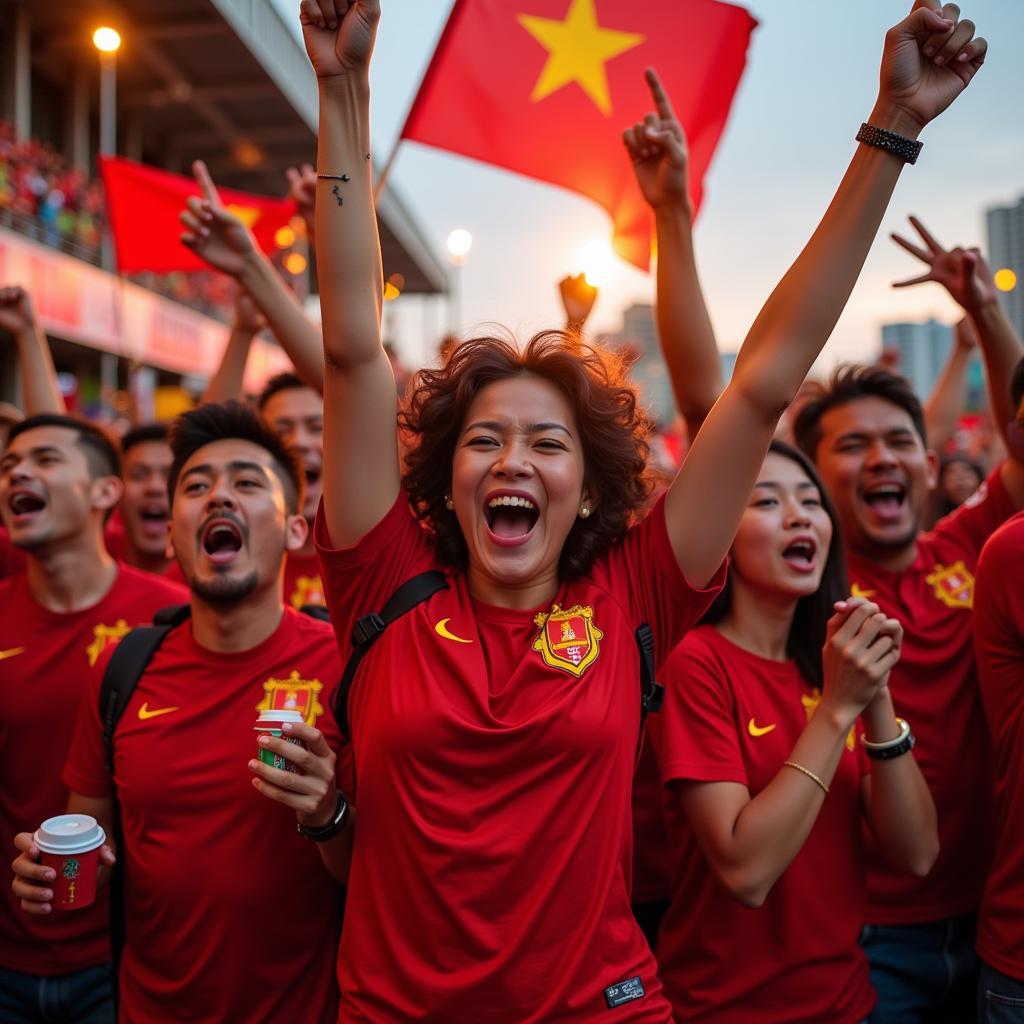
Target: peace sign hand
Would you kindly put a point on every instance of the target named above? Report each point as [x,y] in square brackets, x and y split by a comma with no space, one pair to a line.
[213,232]
[657,147]
[962,272]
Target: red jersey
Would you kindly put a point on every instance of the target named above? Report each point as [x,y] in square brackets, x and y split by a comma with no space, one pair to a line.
[934,687]
[999,643]
[12,561]
[732,716]
[494,751]
[230,913]
[302,580]
[652,851]
[45,660]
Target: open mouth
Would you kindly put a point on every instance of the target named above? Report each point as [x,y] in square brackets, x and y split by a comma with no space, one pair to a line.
[886,500]
[24,505]
[800,555]
[313,474]
[154,518]
[510,518]
[221,540]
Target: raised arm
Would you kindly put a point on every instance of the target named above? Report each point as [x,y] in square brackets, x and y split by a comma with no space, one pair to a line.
[228,380]
[657,147]
[706,500]
[948,399]
[360,426]
[966,276]
[578,296]
[216,235]
[39,390]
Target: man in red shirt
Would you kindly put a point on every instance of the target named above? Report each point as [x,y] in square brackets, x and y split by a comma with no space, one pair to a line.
[866,433]
[59,480]
[999,646]
[295,412]
[230,913]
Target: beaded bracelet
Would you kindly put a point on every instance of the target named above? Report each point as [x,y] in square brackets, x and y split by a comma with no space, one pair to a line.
[899,145]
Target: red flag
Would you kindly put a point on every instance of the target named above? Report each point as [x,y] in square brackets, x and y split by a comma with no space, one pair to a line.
[143,204]
[545,88]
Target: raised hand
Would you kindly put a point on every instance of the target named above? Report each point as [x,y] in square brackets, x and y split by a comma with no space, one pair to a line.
[16,313]
[213,232]
[930,58]
[248,318]
[962,272]
[657,147]
[578,298]
[339,35]
[302,189]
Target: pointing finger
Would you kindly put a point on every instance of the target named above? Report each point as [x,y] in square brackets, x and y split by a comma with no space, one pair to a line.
[929,239]
[206,185]
[915,250]
[661,101]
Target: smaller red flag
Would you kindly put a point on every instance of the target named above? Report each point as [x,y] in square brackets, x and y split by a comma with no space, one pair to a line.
[143,204]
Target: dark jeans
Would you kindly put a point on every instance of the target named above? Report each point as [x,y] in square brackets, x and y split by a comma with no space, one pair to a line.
[923,973]
[82,997]
[1000,997]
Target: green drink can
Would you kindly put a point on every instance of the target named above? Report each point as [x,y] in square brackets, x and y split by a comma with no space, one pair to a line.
[271,723]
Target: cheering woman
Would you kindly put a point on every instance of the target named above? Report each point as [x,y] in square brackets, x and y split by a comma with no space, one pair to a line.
[768,782]
[495,725]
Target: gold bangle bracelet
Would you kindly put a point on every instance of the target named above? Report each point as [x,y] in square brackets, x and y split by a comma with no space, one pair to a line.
[806,771]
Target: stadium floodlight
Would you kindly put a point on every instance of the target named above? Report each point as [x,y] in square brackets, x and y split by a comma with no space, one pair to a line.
[106,39]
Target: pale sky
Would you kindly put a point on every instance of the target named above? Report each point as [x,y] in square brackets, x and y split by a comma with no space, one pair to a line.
[811,80]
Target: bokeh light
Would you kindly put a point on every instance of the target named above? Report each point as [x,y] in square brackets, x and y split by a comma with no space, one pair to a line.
[284,237]
[460,241]
[597,262]
[106,39]
[1006,279]
[295,263]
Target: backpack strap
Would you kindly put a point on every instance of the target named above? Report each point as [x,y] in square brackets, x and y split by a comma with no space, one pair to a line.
[129,660]
[652,693]
[367,629]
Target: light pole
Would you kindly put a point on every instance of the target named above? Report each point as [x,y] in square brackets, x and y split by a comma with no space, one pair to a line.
[460,241]
[107,41]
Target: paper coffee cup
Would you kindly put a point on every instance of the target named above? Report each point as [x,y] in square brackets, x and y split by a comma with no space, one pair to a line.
[270,724]
[70,844]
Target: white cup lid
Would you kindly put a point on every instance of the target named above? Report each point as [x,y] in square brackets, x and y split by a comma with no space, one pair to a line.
[69,833]
[284,715]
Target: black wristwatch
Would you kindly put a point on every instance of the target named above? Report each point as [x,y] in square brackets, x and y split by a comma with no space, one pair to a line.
[322,833]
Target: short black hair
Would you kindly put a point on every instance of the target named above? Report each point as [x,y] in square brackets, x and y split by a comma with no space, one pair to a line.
[101,450]
[221,421]
[848,383]
[148,432]
[810,620]
[286,381]
[1017,385]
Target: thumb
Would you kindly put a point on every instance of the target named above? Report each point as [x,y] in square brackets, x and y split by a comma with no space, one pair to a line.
[107,857]
[923,21]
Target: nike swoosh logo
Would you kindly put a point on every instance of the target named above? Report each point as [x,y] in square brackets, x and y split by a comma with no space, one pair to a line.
[145,713]
[11,653]
[759,730]
[441,629]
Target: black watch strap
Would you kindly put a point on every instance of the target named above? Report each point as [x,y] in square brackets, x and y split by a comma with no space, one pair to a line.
[899,145]
[904,746]
[324,832]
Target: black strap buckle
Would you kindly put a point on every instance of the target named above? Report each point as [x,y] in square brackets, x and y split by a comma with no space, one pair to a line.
[367,629]
[654,698]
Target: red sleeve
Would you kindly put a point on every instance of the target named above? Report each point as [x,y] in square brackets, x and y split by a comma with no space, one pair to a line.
[695,734]
[998,615]
[979,516]
[85,770]
[644,569]
[360,579]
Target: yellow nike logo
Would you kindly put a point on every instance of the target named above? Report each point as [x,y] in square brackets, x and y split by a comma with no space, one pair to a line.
[11,653]
[441,629]
[858,591]
[145,713]
[758,730]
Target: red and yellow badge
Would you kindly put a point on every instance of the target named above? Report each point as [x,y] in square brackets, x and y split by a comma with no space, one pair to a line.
[953,585]
[103,637]
[293,694]
[568,639]
[308,590]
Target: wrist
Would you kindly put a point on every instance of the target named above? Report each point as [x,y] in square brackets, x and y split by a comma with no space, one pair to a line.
[894,118]
[673,210]
[983,310]
[879,720]
[345,85]
[323,815]
[255,270]
[838,719]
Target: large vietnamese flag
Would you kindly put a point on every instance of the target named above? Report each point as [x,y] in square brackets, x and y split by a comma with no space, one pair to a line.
[143,204]
[545,88]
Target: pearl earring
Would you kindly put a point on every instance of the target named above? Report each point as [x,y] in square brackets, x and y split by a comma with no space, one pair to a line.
[584,512]
[448,503]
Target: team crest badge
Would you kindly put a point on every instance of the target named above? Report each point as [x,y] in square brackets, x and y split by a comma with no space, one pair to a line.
[811,701]
[568,639]
[308,590]
[953,585]
[293,694]
[104,637]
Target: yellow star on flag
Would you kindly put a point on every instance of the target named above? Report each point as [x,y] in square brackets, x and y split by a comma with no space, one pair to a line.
[248,215]
[578,49]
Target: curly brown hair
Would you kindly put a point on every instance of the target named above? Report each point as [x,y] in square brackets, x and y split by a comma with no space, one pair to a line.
[614,433]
